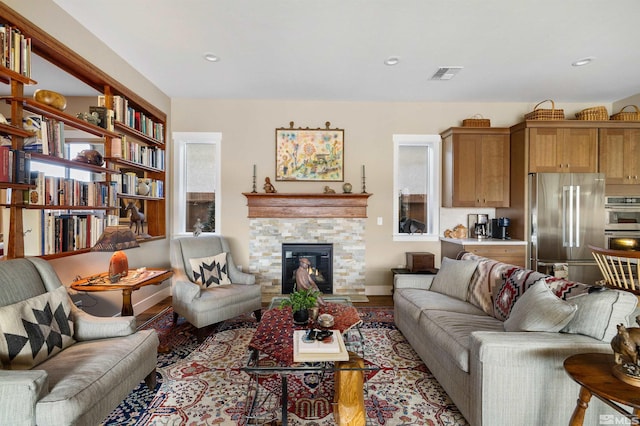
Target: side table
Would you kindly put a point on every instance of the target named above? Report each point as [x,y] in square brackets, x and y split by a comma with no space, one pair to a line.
[593,372]
[133,281]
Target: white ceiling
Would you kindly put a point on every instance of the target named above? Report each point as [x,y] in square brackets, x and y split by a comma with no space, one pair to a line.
[511,50]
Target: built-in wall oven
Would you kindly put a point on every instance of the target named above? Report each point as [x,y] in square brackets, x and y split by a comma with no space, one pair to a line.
[622,223]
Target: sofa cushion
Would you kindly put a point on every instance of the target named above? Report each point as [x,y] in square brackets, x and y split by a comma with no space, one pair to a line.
[414,301]
[599,313]
[505,295]
[210,271]
[35,329]
[539,309]
[450,332]
[453,278]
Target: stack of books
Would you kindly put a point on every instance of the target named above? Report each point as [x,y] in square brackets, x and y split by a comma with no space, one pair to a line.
[305,350]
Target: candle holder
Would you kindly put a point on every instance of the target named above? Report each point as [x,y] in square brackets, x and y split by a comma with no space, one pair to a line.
[364,185]
[254,191]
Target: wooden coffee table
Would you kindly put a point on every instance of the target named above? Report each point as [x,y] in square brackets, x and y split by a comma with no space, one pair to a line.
[593,372]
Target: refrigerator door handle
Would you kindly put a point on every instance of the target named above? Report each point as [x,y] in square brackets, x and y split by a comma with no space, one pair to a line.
[577,202]
[567,216]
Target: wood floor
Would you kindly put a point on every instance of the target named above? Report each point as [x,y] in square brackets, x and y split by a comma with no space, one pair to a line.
[149,314]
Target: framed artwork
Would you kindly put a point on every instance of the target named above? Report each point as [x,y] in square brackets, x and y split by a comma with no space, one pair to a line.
[310,154]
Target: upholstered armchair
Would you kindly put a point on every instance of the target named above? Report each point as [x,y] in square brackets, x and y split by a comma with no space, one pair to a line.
[207,285]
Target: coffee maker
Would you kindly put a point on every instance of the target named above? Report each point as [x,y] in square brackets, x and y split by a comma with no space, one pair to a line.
[480,229]
[499,228]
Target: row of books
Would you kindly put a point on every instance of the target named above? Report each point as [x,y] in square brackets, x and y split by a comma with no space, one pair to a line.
[49,136]
[58,191]
[15,165]
[128,183]
[135,119]
[126,149]
[15,50]
[50,231]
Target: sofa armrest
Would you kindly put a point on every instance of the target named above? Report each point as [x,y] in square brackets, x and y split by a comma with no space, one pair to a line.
[413,281]
[90,327]
[20,390]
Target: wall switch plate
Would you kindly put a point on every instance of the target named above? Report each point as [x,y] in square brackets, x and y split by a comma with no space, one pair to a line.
[379,220]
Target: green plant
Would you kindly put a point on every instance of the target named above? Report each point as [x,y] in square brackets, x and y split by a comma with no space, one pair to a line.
[301,299]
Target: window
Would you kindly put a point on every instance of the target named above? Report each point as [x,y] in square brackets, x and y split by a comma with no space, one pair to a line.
[416,185]
[197,182]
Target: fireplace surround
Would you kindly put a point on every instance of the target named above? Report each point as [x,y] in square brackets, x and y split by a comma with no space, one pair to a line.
[336,219]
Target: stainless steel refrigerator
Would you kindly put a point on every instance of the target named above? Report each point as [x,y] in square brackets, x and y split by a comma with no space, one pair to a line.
[567,214]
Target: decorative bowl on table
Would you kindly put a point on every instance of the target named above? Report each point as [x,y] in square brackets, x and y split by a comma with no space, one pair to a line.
[50,98]
[325,320]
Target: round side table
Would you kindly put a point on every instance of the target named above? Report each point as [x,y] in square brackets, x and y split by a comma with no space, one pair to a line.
[593,372]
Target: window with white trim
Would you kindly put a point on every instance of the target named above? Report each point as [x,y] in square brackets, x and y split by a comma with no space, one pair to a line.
[197,182]
[416,185]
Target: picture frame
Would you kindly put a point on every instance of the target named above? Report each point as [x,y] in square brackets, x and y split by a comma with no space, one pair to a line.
[305,154]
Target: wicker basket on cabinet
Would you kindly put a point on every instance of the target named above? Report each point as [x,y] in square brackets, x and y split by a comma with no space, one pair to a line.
[545,114]
[597,113]
[626,115]
[476,121]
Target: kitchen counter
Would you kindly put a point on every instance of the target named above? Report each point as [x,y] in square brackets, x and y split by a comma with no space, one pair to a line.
[509,251]
[490,241]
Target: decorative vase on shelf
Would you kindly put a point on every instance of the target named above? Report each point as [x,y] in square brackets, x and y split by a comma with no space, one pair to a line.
[143,187]
[346,188]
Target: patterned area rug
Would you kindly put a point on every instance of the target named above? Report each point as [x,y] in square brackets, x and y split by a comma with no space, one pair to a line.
[203,384]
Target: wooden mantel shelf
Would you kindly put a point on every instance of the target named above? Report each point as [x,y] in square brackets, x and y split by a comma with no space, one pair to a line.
[306,205]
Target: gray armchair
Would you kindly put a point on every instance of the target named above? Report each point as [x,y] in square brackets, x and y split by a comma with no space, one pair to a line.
[94,362]
[202,306]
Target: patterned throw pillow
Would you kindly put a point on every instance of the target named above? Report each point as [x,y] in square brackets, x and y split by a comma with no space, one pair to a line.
[566,289]
[517,281]
[210,271]
[35,329]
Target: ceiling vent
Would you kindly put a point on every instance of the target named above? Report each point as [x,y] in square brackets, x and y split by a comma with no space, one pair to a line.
[446,73]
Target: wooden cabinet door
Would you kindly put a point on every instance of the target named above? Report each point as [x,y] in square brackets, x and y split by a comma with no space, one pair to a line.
[465,153]
[632,156]
[612,156]
[492,171]
[577,150]
[543,150]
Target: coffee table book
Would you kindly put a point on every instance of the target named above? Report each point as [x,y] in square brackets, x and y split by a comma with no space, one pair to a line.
[315,356]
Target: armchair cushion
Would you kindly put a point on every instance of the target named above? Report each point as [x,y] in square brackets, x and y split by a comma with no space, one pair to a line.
[210,271]
[35,329]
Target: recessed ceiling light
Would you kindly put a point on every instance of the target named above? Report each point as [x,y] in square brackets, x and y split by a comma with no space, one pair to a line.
[392,60]
[211,57]
[583,61]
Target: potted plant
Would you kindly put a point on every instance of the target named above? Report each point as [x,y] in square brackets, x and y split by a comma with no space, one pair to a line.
[301,301]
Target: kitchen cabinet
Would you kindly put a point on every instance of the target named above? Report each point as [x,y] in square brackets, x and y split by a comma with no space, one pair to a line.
[475,170]
[508,251]
[562,150]
[619,155]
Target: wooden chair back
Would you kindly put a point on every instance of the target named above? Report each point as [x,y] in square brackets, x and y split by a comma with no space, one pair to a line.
[619,268]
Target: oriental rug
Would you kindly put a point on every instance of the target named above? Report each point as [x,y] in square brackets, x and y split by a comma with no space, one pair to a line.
[203,384]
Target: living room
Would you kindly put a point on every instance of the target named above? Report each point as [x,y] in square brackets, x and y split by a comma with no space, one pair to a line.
[248,128]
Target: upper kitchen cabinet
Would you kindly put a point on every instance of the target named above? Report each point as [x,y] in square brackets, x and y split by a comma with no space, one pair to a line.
[475,167]
[619,154]
[562,149]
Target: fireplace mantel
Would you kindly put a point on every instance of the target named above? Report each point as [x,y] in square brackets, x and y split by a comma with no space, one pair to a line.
[306,205]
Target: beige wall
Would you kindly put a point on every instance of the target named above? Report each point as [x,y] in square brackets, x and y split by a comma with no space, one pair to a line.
[248,137]
[48,16]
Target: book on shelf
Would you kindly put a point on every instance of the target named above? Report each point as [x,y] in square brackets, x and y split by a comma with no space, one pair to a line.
[5,163]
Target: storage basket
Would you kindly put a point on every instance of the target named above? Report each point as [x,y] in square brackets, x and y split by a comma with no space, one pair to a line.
[627,116]
[597,113]
[476,121]
[545,114]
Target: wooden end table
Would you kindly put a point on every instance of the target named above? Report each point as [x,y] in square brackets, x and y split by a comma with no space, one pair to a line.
[133,281]
[593,372]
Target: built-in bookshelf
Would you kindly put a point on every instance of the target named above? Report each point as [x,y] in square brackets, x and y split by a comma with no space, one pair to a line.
[53,216]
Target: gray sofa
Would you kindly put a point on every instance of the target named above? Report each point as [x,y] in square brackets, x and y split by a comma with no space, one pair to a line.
[60,365]
[457,320]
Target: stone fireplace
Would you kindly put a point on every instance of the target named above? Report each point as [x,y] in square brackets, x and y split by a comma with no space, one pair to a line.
[335,219]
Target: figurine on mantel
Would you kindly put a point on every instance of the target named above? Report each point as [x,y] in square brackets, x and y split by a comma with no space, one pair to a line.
[268,188]
[328,190]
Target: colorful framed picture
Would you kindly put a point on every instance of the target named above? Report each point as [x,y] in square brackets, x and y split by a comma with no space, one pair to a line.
[310,154]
